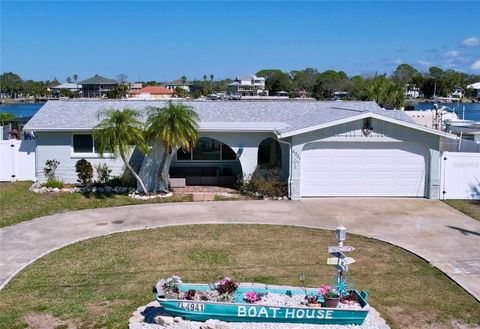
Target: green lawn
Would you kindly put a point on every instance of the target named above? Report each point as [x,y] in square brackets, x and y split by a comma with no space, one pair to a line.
[17,204]
[468,207]
[97,283]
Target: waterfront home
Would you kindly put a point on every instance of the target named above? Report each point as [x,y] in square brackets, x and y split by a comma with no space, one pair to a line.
[97,86]
[247,86]
[178,83]
[70,86]
[320,148]
[151,93]
[458,92]
[476,89]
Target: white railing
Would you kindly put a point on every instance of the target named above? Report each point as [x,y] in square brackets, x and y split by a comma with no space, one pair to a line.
[460,175]
[17,160]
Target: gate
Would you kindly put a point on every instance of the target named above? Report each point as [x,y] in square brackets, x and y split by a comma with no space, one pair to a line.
[460,175]
[17,160]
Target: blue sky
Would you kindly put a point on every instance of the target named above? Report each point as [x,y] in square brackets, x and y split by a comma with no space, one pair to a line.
[165,40]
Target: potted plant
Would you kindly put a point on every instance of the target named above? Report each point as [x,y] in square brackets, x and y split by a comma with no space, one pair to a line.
[331,298]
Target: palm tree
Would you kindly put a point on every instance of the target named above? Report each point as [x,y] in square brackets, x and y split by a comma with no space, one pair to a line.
[174,126]
[75,78]
[211,81]
[183,79]
[205,81]
[118,131]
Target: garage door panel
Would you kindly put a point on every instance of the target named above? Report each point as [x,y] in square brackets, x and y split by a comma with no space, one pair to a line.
[363,169]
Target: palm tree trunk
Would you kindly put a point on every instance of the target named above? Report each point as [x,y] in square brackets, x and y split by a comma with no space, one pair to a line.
[163,170]
[139,180]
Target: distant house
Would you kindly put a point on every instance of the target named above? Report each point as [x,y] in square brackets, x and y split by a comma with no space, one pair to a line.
[178,83]
[135,86]
[476,89]
[97,86]
[151,93]
[70,86]
[411,92]
[458,92]
[247,86]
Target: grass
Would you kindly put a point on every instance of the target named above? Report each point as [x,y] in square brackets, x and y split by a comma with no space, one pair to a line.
[99,282]
[468,207]
[17,204]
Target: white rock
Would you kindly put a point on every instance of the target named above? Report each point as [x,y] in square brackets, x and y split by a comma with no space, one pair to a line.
[164,320]
[56,189]
[49,189]
[177,319]
[214,324]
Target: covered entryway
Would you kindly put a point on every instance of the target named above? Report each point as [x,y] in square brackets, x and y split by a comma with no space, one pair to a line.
[395,169]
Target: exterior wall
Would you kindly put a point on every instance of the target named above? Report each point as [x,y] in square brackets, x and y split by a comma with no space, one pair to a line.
[244,144]
[382,131]
[58,146]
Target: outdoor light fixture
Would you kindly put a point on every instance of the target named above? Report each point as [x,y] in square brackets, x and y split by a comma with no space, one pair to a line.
[341,233]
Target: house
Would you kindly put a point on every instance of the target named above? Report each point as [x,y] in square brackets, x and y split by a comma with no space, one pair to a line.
[70,86]
[151,92]
[97,86]
[458,92]
[178,83]
[412,91]
[135,86]
[247,86]
[476,89]
[322,149]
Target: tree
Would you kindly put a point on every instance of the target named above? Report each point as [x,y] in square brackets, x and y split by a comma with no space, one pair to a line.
[10,83]
[118,91]
[205,82]
[117,132]
[180,92]
[184,80]
[404,74]
[329,82]
[122,78]
[5,117]
[173,126]
[75,78]
[385,92]
[69,80]
[276,80]
[211,81]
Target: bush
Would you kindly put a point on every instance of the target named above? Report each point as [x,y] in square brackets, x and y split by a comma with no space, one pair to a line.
[103,173]
[126,180]
[266,182]
[50,168]
[84,171]
[53,183]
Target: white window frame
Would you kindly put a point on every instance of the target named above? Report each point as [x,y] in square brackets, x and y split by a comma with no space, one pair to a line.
[86,155]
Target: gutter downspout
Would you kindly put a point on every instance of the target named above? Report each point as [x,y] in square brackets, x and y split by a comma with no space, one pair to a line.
[289,167]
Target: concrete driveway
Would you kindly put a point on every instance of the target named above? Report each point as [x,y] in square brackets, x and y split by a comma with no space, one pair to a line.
[436,232]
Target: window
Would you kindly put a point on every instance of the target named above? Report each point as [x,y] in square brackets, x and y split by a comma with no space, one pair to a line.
[83,144]
[269,154]
[207,149]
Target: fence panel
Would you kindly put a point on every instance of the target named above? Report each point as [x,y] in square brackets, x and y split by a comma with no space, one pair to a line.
[461,175]
[17,160]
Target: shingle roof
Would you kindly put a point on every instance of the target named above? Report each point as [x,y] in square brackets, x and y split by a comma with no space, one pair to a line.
[98,80]
[283,116]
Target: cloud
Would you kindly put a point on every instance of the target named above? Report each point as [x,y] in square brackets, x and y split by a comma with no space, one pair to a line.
[424,63]
[471,42]
[476,65]
[452,54]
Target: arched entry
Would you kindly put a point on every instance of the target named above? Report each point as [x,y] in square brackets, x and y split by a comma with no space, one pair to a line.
[269,154]
[209,162]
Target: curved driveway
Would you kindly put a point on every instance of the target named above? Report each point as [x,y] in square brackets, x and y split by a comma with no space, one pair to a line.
[436,232]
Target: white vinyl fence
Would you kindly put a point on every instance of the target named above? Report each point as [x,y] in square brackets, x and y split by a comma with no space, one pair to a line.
[460,175]
[17,160]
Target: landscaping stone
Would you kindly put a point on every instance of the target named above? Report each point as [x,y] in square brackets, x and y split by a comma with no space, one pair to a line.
[164,321]
[56,189]
[214,324]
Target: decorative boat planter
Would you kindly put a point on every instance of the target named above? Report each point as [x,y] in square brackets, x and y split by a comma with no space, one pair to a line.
[239,311]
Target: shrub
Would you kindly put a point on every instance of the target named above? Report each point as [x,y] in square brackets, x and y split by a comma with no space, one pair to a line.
[226,286]
[50,168]
[266,182]
[103,173]
[84,171]
[53,183]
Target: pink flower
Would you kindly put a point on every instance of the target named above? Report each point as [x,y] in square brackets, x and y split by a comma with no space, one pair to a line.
[251,297]
[324,288]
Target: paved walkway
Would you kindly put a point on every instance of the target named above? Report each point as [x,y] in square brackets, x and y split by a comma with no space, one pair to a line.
[443,236]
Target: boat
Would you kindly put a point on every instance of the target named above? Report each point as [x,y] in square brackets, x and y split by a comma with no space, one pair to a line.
[239,311]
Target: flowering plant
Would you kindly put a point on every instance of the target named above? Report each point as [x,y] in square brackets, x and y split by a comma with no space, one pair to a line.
[226,286]
[252,297]
[312,299]
[324,288]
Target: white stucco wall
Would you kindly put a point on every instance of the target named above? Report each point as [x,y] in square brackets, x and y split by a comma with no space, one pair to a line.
[382,132]
[58,146]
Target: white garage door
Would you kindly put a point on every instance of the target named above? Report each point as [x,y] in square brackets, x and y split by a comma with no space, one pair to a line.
[363,169]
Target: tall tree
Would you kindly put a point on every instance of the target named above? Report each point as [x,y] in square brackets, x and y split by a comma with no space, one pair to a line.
[205,82]
[10,83]
[75,78]
[404,74]
[172,127]
[184,80]
[122,78]
[385,92]
[211,81]
[69,80]
[117,132]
